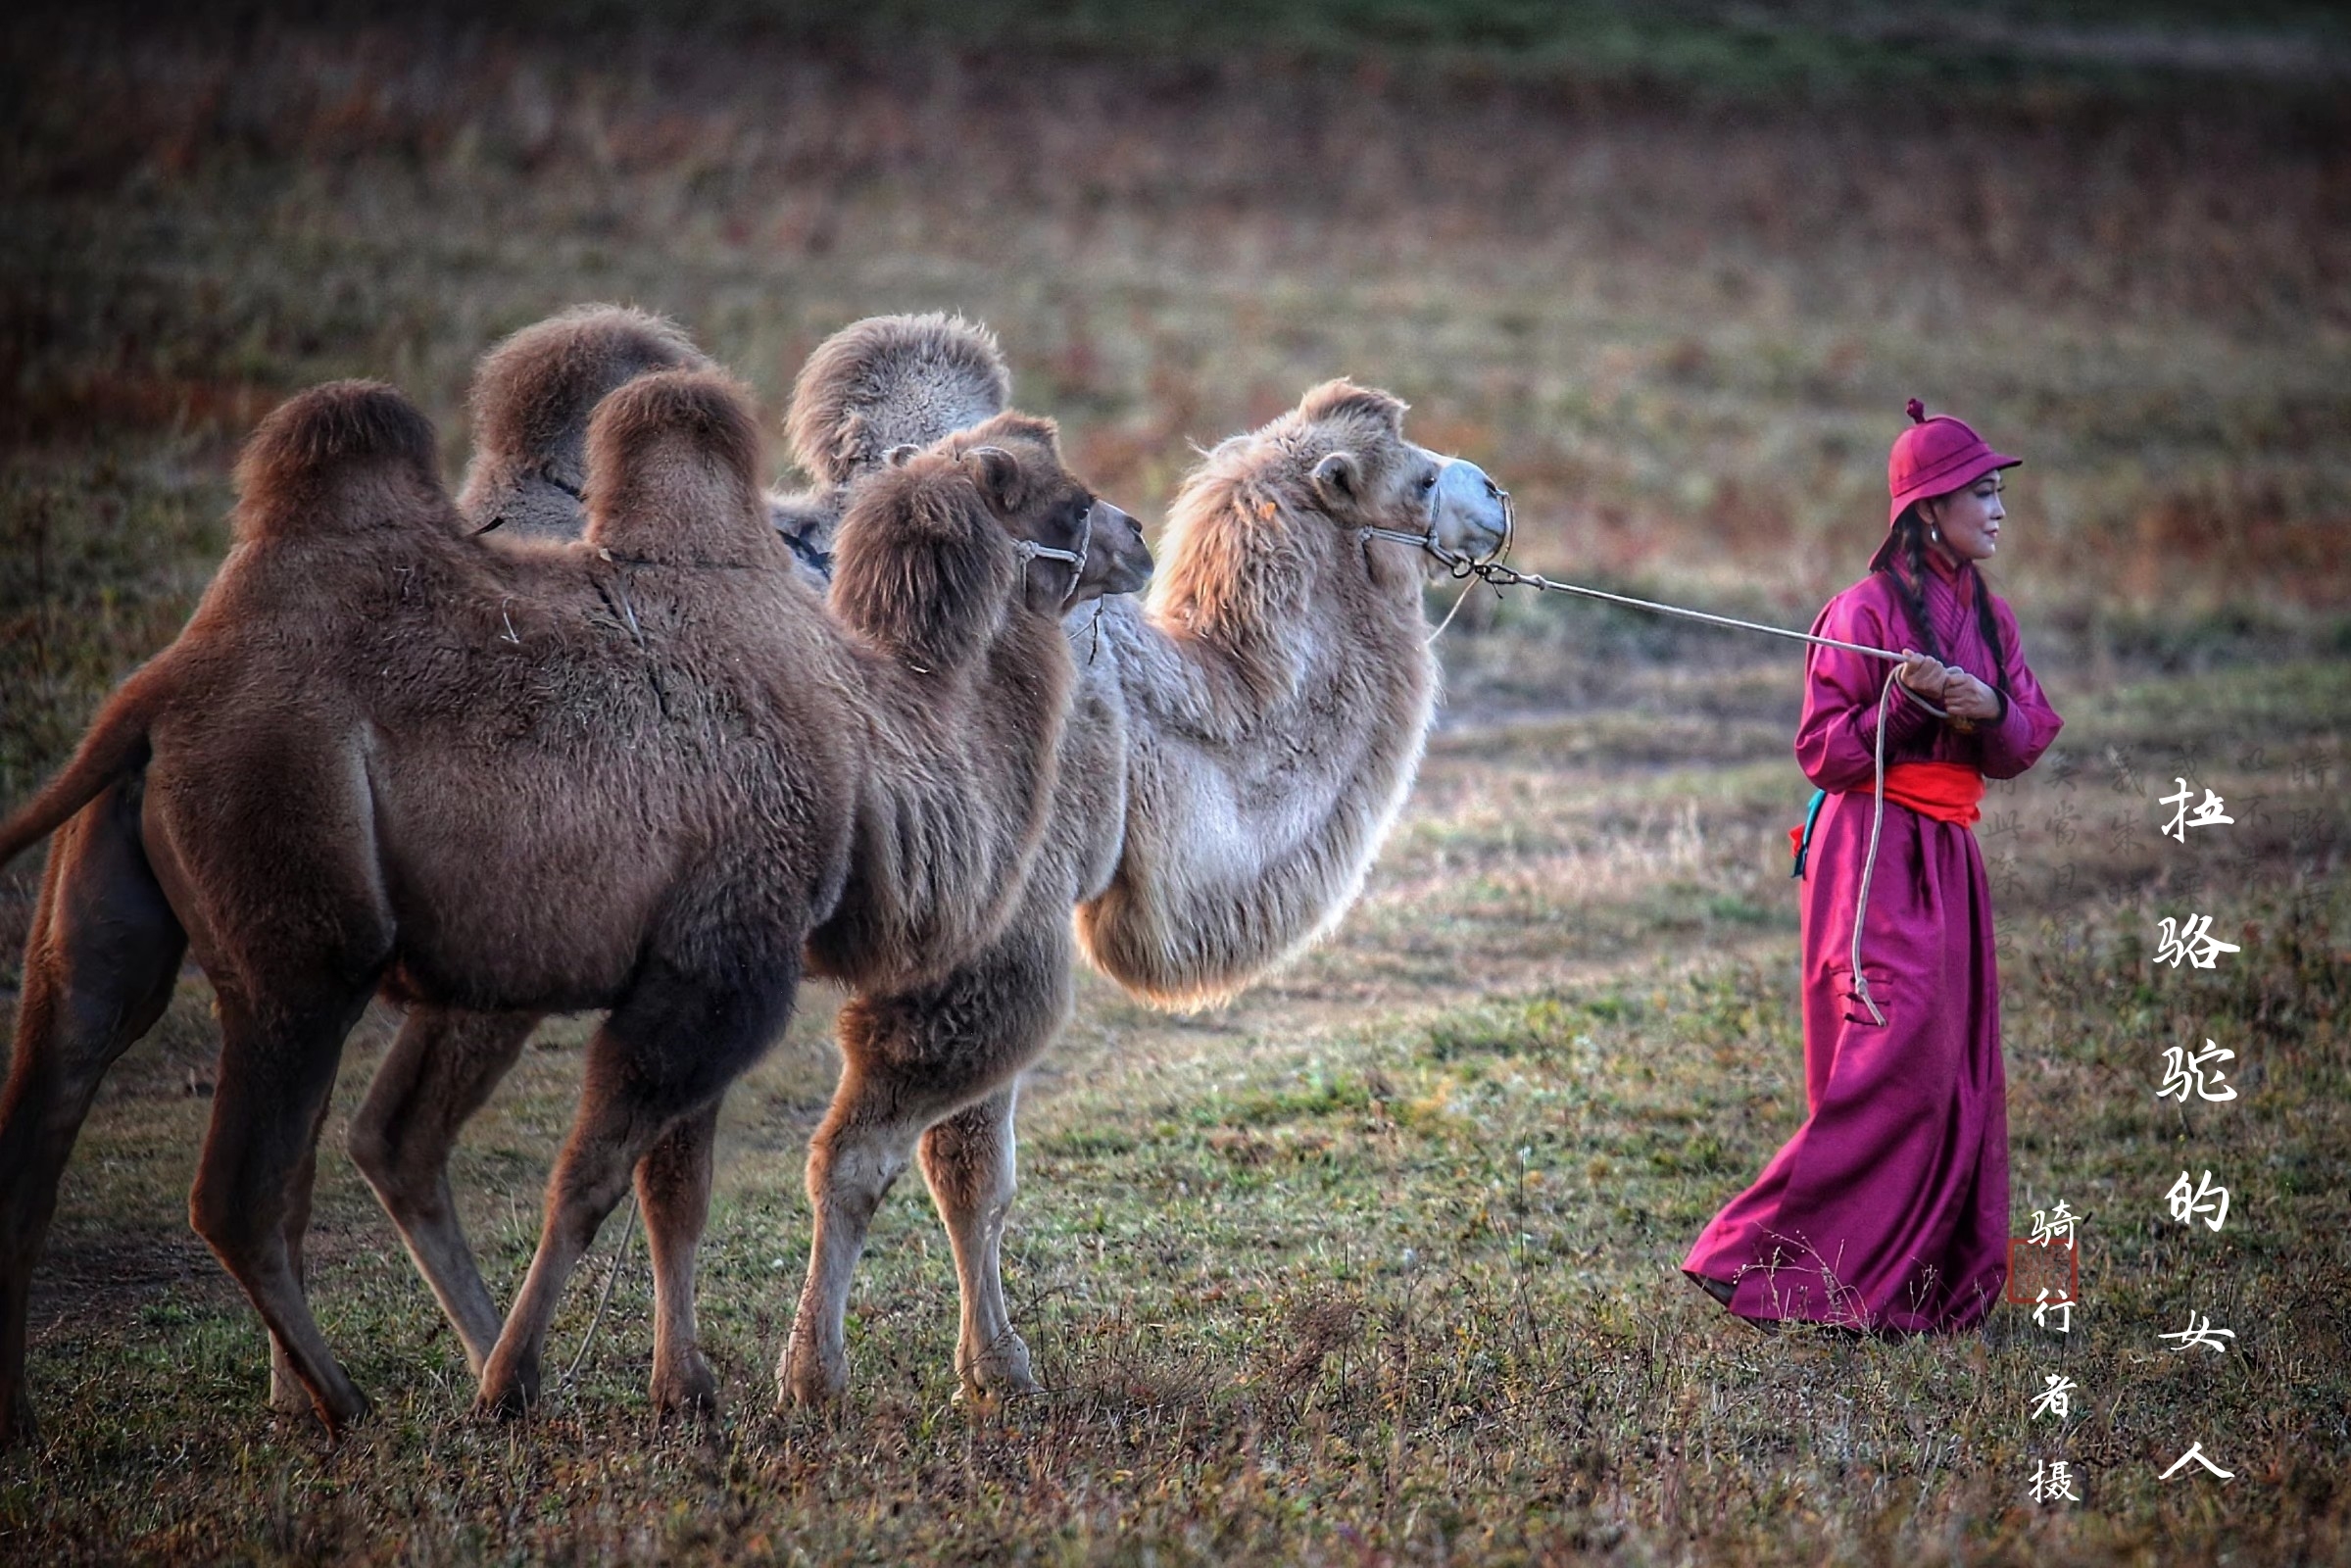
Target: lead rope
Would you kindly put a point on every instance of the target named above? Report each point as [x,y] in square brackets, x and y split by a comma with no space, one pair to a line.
[604,1297]
[1491,570]
[1869,861]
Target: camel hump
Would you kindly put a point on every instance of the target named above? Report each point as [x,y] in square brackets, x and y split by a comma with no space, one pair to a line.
[1342,402]
[889,381]
[531,399]
[346,456]
[674,462]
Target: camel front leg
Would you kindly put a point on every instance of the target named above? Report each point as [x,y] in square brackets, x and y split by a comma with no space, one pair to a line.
[440,1070]
[863,1145]
[951,1049]
[968,1161]
[100,967]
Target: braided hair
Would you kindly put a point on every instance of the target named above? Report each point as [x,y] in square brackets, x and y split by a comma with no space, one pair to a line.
[1910,538]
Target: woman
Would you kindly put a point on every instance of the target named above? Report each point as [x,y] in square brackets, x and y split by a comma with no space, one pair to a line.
[1889,1209]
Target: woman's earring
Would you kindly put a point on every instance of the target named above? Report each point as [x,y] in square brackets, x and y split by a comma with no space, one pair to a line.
[1934,535]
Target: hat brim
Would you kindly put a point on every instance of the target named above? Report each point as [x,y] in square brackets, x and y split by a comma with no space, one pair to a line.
[1959,476]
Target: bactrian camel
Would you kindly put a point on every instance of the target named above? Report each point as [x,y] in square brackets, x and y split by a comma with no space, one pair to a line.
[1238,747]
[1270,527]
[660,736]
[1234,755]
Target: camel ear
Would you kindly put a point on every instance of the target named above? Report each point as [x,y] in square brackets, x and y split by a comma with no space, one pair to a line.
[898,454]
[998,474]
[1337,478]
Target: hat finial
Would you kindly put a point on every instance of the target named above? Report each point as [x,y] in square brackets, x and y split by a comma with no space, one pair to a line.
[1916,410]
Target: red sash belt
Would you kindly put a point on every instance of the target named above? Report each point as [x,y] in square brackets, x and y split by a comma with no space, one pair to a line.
[1947,792]
[1944,791]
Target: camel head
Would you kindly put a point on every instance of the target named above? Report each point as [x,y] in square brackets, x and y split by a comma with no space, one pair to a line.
[1369,477]
[531,399]
[673,460]
[343,458]
[1066,520]
[1324,500]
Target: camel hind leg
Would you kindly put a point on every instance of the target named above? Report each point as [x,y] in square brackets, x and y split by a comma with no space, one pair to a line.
[289,1394]
[99,970]
[278,1071]
[439,1071]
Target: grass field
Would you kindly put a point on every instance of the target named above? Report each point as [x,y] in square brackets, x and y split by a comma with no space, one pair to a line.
[1376,1264]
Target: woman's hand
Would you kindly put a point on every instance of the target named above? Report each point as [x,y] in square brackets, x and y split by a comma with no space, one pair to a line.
[1966,697]
[1924,674]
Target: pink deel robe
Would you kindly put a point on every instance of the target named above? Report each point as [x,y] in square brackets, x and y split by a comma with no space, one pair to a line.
[1888,1208]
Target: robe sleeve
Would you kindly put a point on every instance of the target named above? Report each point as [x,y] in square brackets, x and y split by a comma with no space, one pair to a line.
[1837,739]
[2029,723]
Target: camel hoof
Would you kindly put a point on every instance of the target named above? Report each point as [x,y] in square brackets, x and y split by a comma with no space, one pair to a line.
[334,1420]
[811,1381]
[506,1398]
[1001,1372]
[690,1393]
[506,1404]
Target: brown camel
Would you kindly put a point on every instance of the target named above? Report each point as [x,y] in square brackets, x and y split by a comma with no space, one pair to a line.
[888,381]
[530,401]
[681,733]
[1235,753]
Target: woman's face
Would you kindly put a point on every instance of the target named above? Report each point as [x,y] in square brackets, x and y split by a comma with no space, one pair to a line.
[1968,520]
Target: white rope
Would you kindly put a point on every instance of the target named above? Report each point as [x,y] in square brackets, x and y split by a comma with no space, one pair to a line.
[1502,577]
[604,1297]
[1869,861]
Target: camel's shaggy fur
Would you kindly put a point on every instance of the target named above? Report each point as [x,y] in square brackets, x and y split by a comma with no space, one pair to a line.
[877,386]
[1278,712]
[530,401]
[889,381]
[1234,754]
[1268,709]
[682,743]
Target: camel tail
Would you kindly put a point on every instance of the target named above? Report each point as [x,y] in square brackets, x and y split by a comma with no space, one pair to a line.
[116,746]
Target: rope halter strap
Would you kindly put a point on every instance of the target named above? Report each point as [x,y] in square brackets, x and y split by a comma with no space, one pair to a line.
[1025,551]
[1455,562]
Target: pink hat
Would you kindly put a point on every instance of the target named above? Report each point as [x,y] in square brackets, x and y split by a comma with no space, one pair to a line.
[1934,457]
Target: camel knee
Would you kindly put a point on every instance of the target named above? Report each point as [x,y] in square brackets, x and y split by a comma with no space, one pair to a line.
[405,1178]
[370,1146]
[970,1172]
[241,1227]
[852,1174]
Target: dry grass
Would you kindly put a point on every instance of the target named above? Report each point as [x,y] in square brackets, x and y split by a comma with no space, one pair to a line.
[1376,1265]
